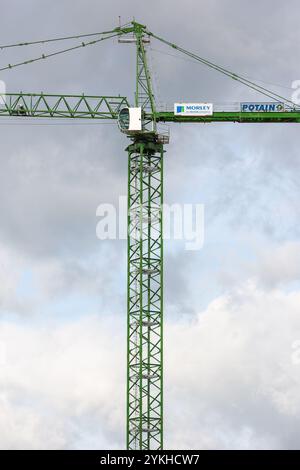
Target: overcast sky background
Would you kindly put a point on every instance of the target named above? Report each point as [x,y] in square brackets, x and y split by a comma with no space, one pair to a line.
[232,309]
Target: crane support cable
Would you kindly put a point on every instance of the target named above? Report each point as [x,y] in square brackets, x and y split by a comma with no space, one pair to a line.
[278,85]
[44,41]
[234,76]
[46,56]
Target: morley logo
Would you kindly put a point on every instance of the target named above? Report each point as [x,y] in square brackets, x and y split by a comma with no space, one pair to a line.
[193,109]
[179,109]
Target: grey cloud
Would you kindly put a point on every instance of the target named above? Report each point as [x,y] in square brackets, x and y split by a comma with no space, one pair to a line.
[52,179]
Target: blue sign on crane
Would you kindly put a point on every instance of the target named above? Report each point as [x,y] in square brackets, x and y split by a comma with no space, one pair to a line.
[259,107]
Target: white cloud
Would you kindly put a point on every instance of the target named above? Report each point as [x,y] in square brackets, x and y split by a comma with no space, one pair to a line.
[64,378]
[22,427]
[230,379]
[232,382]
[279,264]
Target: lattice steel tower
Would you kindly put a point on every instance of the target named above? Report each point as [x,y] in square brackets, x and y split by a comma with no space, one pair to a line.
[145,268]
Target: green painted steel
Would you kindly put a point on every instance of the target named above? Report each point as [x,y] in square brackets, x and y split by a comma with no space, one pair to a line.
[107,107]
[232,116]
[144,96]
[145,297]
[61,106]
[145,270]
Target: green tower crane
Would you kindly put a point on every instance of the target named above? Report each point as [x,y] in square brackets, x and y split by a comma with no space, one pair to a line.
[145,196]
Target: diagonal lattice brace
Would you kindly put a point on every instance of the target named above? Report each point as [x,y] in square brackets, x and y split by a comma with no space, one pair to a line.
[145,297]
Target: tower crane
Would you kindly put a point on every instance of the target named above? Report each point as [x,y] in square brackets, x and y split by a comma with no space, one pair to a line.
[141,123]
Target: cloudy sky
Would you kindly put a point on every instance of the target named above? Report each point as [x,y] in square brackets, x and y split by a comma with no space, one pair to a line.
[232,309]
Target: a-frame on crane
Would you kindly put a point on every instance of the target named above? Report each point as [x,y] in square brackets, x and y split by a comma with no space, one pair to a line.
[145,196]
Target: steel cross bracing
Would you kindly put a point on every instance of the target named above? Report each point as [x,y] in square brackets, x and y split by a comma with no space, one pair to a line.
[145,296]
[144,96]
[61,106]
[145,270]
[145,196]
[42,105]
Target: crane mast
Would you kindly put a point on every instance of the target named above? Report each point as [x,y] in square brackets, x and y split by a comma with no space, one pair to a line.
[145,269]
